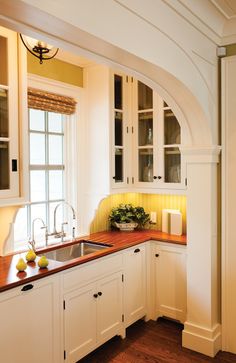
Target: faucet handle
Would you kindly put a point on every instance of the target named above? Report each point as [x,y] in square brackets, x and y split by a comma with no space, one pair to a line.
[46,233]
[62,227]
[31,244]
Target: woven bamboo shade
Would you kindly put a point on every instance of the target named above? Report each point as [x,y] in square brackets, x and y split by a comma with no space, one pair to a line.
[42,100]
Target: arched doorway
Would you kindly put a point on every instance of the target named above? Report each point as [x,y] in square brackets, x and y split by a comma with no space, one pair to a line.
[202,328]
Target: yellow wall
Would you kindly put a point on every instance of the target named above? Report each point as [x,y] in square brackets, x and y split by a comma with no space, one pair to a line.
[150,203]
[56,69]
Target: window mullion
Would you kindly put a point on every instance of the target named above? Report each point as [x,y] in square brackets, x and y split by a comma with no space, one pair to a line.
[46,169]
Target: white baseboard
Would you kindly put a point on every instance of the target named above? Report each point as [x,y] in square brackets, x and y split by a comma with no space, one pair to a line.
[202,340]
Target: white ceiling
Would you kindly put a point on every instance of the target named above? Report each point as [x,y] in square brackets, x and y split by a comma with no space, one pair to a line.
[227,14]
[226,7]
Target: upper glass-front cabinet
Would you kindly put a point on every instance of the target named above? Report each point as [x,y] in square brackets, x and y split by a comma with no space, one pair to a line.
[145,133]
[158,136]
[9,179]
[118,130]
[172,140]
[147,137]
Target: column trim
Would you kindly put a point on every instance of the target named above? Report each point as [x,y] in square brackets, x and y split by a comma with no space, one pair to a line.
[201,339]
[201,154]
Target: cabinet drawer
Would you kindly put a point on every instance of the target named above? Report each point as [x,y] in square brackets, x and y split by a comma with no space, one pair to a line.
[93,270]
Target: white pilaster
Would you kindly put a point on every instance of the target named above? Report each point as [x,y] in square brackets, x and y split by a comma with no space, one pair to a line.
[202,331]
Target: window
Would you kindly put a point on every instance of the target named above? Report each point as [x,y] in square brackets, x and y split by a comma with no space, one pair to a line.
[53,158]
[46,172]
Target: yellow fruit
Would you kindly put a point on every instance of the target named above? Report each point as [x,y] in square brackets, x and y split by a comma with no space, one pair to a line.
[21,265]
[30,256]
[43,262]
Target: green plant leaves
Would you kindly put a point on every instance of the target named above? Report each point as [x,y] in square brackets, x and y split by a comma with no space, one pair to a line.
[126,213]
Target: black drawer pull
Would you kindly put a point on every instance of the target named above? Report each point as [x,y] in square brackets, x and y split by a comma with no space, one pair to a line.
[157,254]
[136,250]
[27,287]
[99,293]
[95,295]
[14,165]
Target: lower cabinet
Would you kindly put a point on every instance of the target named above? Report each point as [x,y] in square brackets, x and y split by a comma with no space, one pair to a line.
[92,315]
[77,310]
[170,280]
[30,323]
[135,294]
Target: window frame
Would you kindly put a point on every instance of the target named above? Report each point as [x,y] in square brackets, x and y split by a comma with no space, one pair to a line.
[47,168]
[74,132]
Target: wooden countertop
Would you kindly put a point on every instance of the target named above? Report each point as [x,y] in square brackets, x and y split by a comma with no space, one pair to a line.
[10,277]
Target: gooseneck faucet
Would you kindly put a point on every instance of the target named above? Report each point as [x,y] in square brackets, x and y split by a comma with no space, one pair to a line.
[62,233]
[32,240]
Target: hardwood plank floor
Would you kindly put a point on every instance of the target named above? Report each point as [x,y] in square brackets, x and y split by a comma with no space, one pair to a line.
[152,342]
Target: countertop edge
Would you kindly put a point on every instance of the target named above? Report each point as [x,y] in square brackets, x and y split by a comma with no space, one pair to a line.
[125,240]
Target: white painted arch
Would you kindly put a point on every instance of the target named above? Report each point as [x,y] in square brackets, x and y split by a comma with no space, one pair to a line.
[170,69]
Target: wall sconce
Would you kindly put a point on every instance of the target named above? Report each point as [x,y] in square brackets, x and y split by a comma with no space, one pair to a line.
[38,48]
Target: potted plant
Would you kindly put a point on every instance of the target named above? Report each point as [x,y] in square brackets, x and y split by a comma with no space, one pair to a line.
[126,217]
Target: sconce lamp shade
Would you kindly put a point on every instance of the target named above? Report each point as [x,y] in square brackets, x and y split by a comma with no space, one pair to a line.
[38,48]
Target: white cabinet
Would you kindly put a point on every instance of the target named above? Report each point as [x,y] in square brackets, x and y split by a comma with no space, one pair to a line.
[146,138]
[170,280]
[13,120]
[93,313]
[80,322]
[30,323]
[9,175]
[135,294]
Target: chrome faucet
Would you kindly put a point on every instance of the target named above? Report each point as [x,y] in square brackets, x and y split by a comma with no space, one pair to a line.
[62,233]
[32,240]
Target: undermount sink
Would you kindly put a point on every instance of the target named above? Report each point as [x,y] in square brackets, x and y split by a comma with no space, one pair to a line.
[82,248]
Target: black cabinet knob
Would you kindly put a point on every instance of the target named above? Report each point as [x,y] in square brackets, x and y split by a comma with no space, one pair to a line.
[154,177]
[159,177]
[157,254]
[95,295]
[136,250]
[114,177]
[99,293]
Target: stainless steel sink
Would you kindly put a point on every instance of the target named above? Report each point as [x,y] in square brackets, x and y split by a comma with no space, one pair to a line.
[79,249]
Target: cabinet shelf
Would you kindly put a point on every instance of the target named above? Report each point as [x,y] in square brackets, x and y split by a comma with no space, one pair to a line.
[172,152]
[169,114]
[145,153]
[2,86]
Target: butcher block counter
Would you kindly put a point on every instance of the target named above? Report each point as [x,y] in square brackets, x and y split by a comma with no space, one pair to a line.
[10,277]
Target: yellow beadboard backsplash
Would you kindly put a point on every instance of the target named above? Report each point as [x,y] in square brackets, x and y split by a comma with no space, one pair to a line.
[150,203]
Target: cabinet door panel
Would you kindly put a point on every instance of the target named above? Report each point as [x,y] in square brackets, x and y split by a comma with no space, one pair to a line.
[135,284]
[30,325]
[80,322]
[109,308]
[170,281]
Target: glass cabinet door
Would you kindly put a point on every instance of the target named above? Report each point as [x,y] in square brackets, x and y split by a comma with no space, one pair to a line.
[9,175]
[118,130]
[145,133]
[172,138]
[4,165]
[3,113]
[4,123]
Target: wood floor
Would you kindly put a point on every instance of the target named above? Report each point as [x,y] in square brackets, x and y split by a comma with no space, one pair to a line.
[152,342]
